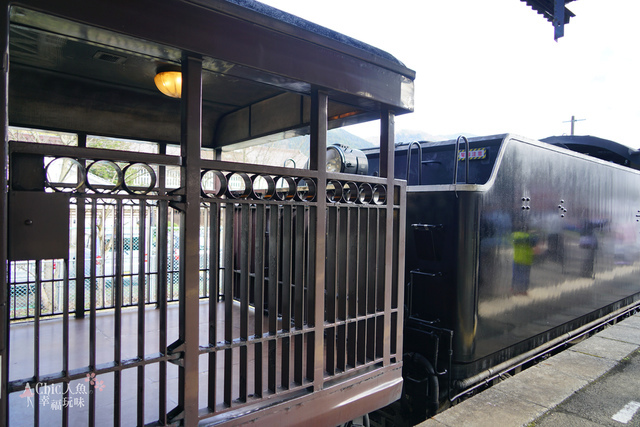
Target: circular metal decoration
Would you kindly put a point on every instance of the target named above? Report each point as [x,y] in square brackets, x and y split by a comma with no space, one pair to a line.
[306,189]
[379,194]
[104,176]
[334,191]
[350,192]
[285,188]
[213,183]
[365,193]
[64,175]
[264,187]
[139,178]
[238,185]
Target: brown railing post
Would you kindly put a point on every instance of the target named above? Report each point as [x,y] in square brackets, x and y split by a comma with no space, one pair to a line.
[4,148]
[318,158]
[387,150]
[191,138]
[80,239]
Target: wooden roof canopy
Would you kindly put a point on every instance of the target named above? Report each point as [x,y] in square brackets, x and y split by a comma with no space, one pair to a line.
[260,65]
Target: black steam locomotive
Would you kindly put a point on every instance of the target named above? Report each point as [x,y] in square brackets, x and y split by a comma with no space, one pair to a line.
[513,247]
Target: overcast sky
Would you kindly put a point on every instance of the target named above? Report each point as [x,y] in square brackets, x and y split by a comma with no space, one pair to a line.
[493,67]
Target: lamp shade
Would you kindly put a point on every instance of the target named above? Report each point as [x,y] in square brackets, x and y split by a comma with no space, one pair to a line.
[169,83]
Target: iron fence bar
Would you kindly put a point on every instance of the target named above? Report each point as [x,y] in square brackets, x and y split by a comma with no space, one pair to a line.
[341,261]
[381,281]
[256,169]
[92,310]
[214,284]
[191,140]
[352,283]
[299,290]
[371,281]
[353,244]
[5,312]
[171,255]
[287,224]
[83,152]
[363,271]
[283,171]
[142,218]
[341,283]
[36,340]
[237,343]
[258,294]
[272,304]
[205,249]
[65,336]
[103,253]
[163,212]
[383,298]
[372,260]
[12,300]
[117,321]
[387,143]
[148,240]
[129,255]
[318,157]
[244,300]
[311,293]
[80,373]
[228,300]
[80,256]
[330,285]
[80,236]
[399,244]
[362,342]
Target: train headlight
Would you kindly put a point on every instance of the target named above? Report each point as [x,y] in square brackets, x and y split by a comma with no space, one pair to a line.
[341,158]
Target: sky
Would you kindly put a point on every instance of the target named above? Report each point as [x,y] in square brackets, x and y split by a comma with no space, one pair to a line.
[493,67]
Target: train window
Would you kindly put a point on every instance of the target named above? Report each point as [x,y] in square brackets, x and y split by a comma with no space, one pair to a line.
[291,152]
[42,136]
[122,144]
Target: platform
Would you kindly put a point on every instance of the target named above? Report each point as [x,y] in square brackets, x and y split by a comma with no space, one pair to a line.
[544,394]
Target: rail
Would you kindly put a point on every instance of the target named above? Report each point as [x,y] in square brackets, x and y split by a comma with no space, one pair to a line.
[257,276]
[457,159]
[419,161]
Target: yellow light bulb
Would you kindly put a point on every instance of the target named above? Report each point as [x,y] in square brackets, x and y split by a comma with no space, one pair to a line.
[169,83]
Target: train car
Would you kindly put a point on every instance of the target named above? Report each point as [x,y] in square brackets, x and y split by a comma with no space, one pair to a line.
[513,247]
[149,279]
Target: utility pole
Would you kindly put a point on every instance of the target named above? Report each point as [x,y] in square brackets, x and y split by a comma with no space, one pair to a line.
[573,122]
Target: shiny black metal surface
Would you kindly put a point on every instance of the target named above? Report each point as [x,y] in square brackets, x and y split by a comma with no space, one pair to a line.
[544,242]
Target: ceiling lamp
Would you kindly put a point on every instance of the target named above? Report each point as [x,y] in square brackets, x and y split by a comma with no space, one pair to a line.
[169,83]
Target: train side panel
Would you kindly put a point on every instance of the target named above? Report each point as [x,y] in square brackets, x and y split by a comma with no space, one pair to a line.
[547,243]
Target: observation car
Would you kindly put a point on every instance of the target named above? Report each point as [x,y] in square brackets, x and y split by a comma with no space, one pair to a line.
[154,281]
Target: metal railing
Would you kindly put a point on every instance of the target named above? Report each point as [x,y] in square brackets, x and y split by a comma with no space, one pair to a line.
[257,282]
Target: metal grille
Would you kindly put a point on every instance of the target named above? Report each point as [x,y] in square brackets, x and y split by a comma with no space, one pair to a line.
[22,280]
[263,345]
[121,262]
[257,281]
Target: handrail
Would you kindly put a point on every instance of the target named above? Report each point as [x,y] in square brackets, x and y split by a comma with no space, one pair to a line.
[419,162]
[466,159]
